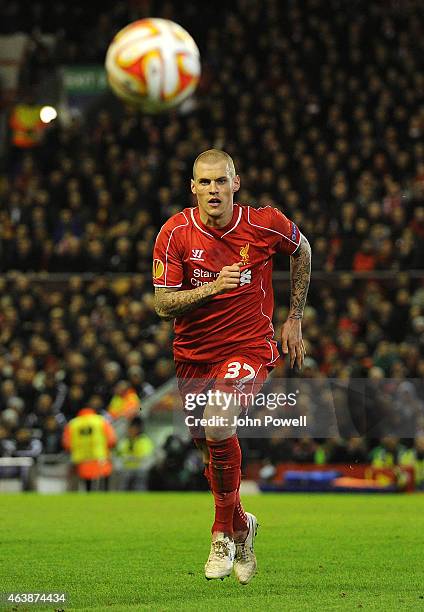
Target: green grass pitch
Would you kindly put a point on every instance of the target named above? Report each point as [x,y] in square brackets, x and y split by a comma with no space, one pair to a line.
[134,551]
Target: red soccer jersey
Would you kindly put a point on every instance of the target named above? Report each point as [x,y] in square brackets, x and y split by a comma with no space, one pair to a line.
[188,254]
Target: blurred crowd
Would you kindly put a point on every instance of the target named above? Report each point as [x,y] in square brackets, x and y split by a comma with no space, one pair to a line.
[75,345]
[69,344]
[328,126]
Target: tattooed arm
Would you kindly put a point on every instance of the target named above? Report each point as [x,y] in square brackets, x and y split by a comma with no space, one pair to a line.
[171,302]
[300,274]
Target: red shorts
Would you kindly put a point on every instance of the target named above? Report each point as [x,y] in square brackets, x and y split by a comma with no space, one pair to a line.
[241,375]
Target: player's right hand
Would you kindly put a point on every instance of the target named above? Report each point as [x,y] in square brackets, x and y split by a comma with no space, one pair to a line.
[228,278]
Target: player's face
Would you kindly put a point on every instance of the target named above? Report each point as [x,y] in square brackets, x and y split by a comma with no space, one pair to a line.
[214,187]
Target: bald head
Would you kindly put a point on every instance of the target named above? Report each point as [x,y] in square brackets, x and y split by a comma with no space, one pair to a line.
[215,156]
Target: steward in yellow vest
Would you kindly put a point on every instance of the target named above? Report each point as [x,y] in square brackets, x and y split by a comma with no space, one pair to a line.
[89,438]
[414,457]
[135,447]
[135,452]
[26,125]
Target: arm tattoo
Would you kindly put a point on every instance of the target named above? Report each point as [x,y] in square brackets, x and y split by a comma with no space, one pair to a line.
[171,303]
[300,274]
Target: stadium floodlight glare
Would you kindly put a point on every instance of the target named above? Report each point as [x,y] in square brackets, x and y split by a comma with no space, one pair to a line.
[48,114]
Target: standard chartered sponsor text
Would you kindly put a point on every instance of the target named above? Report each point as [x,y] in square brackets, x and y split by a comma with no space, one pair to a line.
[198,274]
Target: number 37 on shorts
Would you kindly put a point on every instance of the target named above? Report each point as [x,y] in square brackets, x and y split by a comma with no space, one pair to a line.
[241,374]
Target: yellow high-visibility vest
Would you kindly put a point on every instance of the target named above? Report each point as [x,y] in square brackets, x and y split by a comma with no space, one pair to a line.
[26,125]
[409,457]
[88,438]
[133,452]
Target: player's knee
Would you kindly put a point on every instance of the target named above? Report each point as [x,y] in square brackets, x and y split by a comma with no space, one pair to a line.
[219,427]
[220,422]
[217,433]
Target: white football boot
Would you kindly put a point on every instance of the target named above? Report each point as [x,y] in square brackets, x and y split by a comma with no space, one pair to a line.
[221,558]
[245,561]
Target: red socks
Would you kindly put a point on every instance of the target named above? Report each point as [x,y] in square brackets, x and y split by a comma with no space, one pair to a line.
[240,522]
[224,481]
[239,517]
[206,475]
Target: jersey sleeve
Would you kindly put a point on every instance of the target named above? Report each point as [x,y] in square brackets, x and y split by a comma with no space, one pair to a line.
[284,235]
[167,262]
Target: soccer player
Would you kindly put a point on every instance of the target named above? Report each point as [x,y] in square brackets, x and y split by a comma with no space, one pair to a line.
[212,272]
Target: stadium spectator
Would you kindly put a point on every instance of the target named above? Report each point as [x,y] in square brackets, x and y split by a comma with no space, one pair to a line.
[52,436]
[26,444]
[89,437]
[26,125]
[7,443]
[303,450]
[419,461]
[351,451]
[386,454]
[125,401]
[178,468]
[135,456]
[136,378]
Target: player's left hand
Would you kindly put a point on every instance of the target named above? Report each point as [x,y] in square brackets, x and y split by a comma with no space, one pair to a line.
[292,342]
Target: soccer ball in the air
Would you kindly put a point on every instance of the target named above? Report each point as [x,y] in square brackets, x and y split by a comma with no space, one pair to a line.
[153,64]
